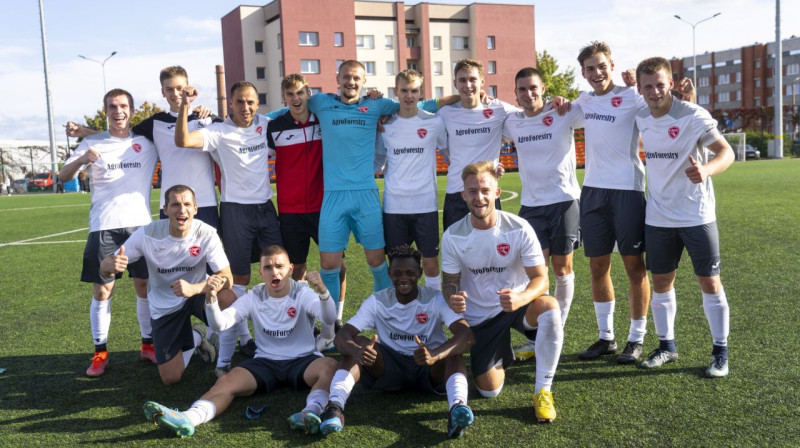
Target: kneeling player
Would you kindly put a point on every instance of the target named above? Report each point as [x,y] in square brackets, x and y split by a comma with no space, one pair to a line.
[177,251]
[413,351]
[283,314]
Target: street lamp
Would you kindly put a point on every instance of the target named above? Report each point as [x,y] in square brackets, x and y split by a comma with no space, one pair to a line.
[694,51]
[102,64]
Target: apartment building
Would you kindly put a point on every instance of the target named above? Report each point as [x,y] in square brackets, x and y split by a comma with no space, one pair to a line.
[313,37]
[743,78]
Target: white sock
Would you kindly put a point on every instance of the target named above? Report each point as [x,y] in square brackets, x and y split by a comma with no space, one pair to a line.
[549,339]
[227,345]
[638,330]
[340,310]
[187,355]
[316,401]
[604,312]
[200,412]
[565,291]
[143,315]
[457,389]
[327,332]
[243,332]
[664,306]
[341,386]
[434,282]
[718,315]
[490,393]
[100,318]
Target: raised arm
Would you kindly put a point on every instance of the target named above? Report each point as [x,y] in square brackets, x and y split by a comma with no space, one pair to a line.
[184,138]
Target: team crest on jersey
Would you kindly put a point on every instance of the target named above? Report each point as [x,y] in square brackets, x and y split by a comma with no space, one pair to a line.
[488,113]
[259,130]
[673,132]
[547,121]
[194,251]
[422,132]
[503,249]
[363,109]
[292,311]
[616,101]
[422,318]
[136,147]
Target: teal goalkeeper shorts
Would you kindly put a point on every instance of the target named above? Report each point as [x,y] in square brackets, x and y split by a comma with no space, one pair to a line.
[345,211]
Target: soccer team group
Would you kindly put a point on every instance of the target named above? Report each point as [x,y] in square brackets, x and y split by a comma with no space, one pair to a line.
[196,260]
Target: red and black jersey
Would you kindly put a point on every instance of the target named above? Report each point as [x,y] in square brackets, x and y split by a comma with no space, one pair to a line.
[298,163]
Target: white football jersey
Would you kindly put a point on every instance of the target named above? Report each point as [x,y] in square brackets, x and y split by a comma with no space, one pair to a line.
[473,135]
[170,259]
[490,260]
[243,157]
[120,180]
[546,152]
[673,200]
[283,327]
[612,139]
[397,324]
[408,146]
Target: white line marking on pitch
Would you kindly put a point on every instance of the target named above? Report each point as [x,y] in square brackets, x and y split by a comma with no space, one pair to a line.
[14,243]
[49,206]
[47,242]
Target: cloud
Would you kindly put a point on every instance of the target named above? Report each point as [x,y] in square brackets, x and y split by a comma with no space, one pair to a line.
[194,31]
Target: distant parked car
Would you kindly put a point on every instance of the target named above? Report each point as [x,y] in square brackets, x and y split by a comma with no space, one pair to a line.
[41,182]
[750,152]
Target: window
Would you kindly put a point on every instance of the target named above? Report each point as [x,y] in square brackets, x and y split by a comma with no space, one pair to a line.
[259,46]
[369,67]
[261,73]
[309,39]
[339,62]
[738,76]
[411,42]
[389,42]
[365,41]
[724,79]
[702,99]
[315,90]
[412,65]
[460,43]
[757,102]
[492,69]
[309,66]
[390,67]
[758,83]
[493,91]
[390,93]
[338,39]
[793,69]
[439,92]
[262,99]
[724,97]
[437,42]
[702,81]
[280,69]
[437,68]
[490,42]
[758,63]
[279,41]
[738,95]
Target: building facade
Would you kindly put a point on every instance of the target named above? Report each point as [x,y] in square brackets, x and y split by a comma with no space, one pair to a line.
[743,78]
[313,37]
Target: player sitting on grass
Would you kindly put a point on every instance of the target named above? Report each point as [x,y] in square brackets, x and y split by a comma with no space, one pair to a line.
[283,314]
[413,350]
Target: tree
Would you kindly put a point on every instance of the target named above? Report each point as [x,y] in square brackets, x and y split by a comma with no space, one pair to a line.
[145,111]
[558,84]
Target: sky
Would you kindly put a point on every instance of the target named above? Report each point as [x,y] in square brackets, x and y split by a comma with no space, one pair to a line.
[149,35]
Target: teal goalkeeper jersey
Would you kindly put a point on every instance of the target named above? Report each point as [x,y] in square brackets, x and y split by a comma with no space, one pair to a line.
[348,138]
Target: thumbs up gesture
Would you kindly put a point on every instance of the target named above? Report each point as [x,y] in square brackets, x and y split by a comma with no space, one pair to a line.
[422,356]
[696,172]
[114,263]
[368,353]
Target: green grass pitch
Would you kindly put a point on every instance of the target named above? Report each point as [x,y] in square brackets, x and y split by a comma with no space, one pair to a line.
[45,345]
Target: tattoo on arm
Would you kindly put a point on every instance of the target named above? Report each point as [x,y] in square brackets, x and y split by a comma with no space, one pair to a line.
[450,284]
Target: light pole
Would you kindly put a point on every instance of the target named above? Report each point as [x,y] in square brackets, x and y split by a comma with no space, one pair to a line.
[694,51]
[102,64]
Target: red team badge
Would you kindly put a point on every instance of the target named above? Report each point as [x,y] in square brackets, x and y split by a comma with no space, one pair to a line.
[548,120]
[503,249]
[673,132]
[259,130]
[292,311]
[422,132]
[488,113]
[136,147]
[422,318]
[363,109]
[194,251]
[616,101]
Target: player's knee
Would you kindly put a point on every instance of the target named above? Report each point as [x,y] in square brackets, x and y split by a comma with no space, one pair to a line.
[600,266]
[170,378]
[490,393]
[545,303]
